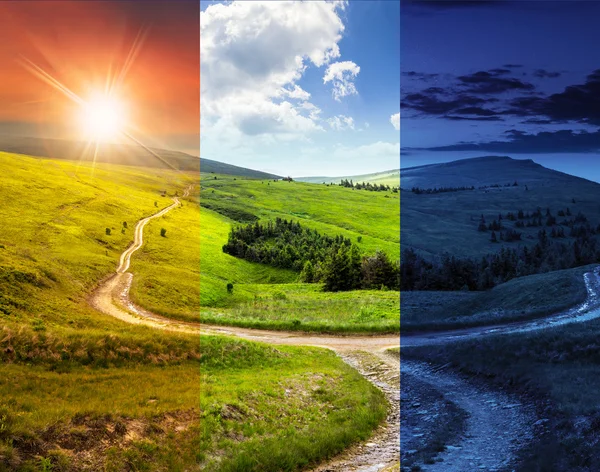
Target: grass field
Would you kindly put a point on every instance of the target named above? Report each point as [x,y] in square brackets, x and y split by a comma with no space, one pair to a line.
[390,177]
[447,222]
[264,297]
[82,391]
[519,299]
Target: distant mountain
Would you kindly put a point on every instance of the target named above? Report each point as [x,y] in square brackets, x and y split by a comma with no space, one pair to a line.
[210,166]
[388,177]
[479,171]
[447,222]
[124,154]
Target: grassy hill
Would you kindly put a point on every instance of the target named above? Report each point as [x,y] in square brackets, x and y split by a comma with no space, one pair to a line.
[264,296]
[389,177]
[208,166]
[447,222]
[122,154]
[82,391]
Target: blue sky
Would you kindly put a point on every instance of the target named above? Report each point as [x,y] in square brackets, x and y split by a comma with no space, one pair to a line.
[301,88]
[503,78]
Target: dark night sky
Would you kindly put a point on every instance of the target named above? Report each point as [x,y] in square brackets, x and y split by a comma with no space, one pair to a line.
[505,78]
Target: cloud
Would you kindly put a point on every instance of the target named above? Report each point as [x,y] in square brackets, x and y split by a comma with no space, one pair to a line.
[342,75]
[472,118]
[251,56]
[519,142]
[381,151]
[579,103]
[429,104]
[543,74]
[395,121]
[341,122]
[490,83]
[420,75]
[479,96]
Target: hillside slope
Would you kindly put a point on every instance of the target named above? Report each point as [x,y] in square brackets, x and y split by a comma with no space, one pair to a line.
[447,222]
[388,177]
[122,154]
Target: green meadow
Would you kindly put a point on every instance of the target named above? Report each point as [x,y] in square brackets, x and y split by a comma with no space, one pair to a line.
[263,296]
[82,391]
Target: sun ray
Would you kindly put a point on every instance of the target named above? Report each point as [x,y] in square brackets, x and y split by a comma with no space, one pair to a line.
[103,113]
[55,83]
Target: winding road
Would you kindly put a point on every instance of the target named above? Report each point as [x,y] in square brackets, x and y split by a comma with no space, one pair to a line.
[497,426]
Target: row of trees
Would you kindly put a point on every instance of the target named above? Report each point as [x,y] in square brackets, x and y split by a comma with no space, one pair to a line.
[366,186]
[334,261]
[419,190]
[454,273]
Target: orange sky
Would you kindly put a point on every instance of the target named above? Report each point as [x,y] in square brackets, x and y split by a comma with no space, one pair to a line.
[80,44]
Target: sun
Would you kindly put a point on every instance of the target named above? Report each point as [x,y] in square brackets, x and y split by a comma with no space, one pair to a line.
[103,118]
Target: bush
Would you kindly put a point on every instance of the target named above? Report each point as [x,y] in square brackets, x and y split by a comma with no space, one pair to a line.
[108,231]
[163,232]
[229,287]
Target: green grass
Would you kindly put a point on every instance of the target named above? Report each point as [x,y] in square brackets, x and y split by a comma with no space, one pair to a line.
[260,408]
[331,210]
[263,296]
[79,389]
[519,299]
[303,405]
[390,177]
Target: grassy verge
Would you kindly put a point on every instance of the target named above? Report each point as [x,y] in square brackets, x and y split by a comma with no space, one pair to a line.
[260,408]
[520,299]
[558,369]
[300,406]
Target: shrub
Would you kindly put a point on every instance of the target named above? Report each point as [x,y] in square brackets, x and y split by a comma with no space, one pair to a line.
[108,231]
[163,232]
[229,287]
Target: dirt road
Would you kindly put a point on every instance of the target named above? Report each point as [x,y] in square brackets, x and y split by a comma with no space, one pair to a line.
[485,428]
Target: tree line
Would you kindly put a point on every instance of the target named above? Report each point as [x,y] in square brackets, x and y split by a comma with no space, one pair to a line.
[334,261]
[428,191]
[455,273]
[366,186]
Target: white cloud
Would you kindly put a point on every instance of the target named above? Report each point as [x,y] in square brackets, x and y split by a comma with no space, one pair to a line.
[342,75]
[379,151]
[341,122]
[395,121]
[251,56]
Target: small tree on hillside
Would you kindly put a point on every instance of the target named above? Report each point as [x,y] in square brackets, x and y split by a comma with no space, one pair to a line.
[163,232]
[308,273]
[107,231]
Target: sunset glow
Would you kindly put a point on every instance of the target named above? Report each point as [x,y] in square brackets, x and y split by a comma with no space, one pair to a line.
[103,119]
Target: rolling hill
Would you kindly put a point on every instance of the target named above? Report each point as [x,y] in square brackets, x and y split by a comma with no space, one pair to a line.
[388,177]
[447,222]
[123,154]
[215,167]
